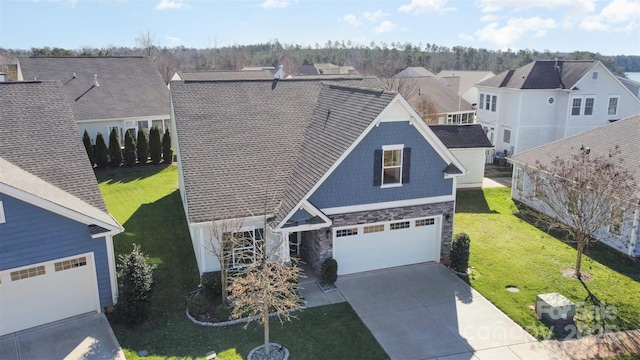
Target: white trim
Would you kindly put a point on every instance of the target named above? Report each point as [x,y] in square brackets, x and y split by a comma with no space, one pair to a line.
[392,148]
[112,268]
[114,228]
[388,205]
[617,104]
[123,119]
[421,126]
[312,210]
[3,219]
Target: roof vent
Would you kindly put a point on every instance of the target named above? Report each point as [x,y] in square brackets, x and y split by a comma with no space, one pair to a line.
[280,73]
[95,80]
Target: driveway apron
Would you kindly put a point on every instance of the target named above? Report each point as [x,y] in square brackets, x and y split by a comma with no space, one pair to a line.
[424,311]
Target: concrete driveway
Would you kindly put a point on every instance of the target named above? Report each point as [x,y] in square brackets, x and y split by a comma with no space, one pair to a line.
[83,337]
[424,311]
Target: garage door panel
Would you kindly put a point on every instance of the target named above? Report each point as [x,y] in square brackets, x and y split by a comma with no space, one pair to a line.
[49,297]
[388,248]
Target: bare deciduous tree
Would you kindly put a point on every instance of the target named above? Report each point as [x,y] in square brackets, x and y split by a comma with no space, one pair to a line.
[427,109]
[582,194]
[407,87]
[223,238]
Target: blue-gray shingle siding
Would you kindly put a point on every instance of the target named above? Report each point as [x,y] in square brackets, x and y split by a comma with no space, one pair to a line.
[352,182]
[33,235]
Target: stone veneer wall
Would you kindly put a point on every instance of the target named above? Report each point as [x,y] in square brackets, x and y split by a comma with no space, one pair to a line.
[318,245]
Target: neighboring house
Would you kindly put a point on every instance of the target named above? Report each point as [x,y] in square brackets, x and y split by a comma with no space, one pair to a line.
[56,247]
[414,71]
[341,171]
[469,144]
[326,69]
[125,93]
[463,82]
[223,75]
[623,235]
[548,100]
[633,86]
[436,103]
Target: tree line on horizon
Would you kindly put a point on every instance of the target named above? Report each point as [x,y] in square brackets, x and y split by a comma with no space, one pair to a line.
[378,59]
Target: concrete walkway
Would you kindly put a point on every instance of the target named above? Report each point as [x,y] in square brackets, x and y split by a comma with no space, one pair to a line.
[496,182]
[82,337]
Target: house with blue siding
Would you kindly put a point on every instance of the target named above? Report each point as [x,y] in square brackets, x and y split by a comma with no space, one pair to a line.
[56,236]
[316,169]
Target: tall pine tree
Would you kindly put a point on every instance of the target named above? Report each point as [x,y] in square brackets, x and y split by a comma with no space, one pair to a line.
[142,147]
[102,158]
[114,149]
[88,147]
[155,146]
[167,153]
[129,149]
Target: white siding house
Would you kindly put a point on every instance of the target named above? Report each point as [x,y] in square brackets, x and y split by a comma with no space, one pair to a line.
[549,100]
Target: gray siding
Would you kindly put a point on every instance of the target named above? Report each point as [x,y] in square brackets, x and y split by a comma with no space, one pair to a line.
[352,182]
[33,235]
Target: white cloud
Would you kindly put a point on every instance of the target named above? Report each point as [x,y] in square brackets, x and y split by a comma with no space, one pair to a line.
[513,31]
[171,4]
[489,18]
[270,4]
[385,26]
[373,16]
[174,40]
[618,15]
[351,20]
[573,7]
[424,6]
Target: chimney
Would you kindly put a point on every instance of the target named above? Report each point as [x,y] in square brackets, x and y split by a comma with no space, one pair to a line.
[2,77]
[279,74]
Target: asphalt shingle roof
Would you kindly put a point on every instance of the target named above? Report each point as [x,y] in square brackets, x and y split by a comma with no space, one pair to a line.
[414,71]
[129,86]
[240,141]
[227,75]
[542,74]
[463,80]
[623,133]
[462,136]
[38,134]
[444,98]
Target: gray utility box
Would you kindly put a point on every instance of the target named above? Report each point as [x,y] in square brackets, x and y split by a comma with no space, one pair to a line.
[554,307]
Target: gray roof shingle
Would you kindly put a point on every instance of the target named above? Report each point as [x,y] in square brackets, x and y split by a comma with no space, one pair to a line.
[129,86]
[414,71]
[462,136]
[542,74]
[226,75]
[38,134]
[240,141]
[445,99]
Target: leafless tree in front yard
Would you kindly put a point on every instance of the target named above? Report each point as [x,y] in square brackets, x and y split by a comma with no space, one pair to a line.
[223,239]
[583,194]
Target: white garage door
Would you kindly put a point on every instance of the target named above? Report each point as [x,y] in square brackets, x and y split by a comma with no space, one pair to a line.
[378,246]
[47,292]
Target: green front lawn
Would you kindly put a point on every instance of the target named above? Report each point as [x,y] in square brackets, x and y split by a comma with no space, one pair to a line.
[507,251]
[147,203]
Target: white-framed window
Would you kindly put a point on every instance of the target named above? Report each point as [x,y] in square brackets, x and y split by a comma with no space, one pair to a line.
[506,136]
[519,179]
[487,102]
[27,273]
[70,264]
[576,106]
[494,101]
[594,75]
[425,222]
[588,105]
[373,228]
[400,225]
[617,220]
[612,109]
[2,218]
[248,244]
[481,103]
[392,165]
[346,232]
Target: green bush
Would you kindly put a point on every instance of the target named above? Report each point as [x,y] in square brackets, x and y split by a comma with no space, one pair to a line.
[155,146]
[460,252]
[167,153]
[102,158]
[223,313]
[197,304]
[142,147]
[129,149]
[329,271]
[114,149]
[135,280]
[88,147]
[212,284]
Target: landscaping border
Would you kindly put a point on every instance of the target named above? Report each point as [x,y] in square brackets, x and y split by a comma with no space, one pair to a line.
[235,321]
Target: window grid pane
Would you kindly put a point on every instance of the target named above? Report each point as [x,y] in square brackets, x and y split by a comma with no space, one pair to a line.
[588,106]
[27,273]
[613,106]
[400,225]
[70,264]
[575,106]
[425,222]
[494,99]
[392,167]
[346,232]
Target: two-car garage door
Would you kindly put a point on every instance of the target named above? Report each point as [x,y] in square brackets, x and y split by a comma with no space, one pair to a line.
[382,245]
[47,292]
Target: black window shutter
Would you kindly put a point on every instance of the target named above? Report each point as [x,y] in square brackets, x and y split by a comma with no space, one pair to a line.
[377,167]
[406,165]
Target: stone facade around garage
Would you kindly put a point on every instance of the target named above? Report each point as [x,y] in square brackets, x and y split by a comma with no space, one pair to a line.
[317,246]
